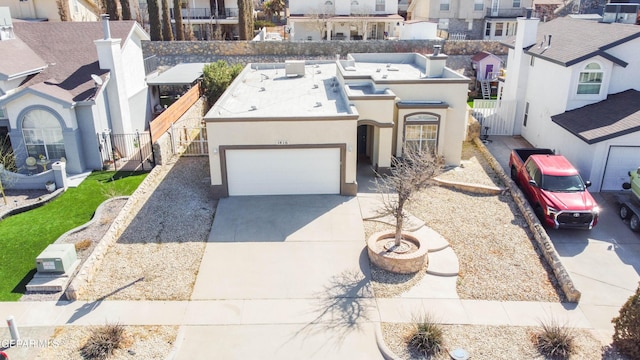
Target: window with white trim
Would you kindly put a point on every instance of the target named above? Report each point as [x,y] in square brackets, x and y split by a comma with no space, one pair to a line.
[590,79]
[487,29]
[499,27]
[380,5]
[526,114]
[42,135]
[421,132]
[444,5]
[516,3]
[478,5]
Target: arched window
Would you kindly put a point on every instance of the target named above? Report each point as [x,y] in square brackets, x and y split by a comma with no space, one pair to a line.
[421,132]
[42,134]
[590,79]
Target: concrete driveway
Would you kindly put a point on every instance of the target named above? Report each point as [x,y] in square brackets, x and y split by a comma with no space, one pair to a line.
[604,263]
[293,273]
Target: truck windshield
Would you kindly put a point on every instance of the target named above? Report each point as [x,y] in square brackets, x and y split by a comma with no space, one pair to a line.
[562,183]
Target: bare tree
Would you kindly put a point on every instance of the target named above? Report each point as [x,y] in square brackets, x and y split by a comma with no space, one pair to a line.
[409,174]
[362,16]
[319,18]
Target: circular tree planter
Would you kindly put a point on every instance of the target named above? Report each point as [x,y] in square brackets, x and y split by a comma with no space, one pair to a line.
[409,258]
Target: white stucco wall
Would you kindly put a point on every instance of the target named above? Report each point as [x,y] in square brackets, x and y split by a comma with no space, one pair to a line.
[339,7]
[293,132]
[132,58]
[544,99]
[624,78]
[14,108]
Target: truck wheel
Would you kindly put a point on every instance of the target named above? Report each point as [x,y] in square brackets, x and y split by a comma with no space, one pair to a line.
[514,174]
[624,212]
[634,223]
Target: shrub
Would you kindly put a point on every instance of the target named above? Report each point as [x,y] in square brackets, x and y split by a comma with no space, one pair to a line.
[82,244]
[217,77]
[555,341]
[259,24]
[426,338]
[626,336]
[102,342]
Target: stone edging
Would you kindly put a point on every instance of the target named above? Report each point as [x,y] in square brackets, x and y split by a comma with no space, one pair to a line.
[120,223]
[539,233]
[21,209]
[474,188]
[97,214]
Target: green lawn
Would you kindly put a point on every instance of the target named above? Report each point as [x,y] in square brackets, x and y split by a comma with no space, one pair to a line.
[24,236]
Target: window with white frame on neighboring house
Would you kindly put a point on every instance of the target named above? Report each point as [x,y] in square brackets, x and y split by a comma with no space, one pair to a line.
[478,5]
[444,5]
[511,29]
[590,79]
[516,3]
[421,132]
[380,5]
[499,27]
[526,114]
[42,135]
[487,29]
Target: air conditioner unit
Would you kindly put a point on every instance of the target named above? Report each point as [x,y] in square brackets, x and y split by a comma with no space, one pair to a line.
[294,67]
[56,258]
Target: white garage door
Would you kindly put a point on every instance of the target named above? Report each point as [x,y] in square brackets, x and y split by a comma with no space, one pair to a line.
[283,171]
[621,160]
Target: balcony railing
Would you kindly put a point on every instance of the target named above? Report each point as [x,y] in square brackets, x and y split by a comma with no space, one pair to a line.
[205,13]
[506,13]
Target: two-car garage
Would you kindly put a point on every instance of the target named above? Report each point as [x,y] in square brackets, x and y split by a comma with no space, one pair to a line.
[282,170]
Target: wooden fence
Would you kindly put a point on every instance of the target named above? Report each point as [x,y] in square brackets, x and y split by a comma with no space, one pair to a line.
[163,122]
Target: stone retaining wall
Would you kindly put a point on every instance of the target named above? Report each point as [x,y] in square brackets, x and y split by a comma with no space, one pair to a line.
[119,225]
[171,53]
[539,233]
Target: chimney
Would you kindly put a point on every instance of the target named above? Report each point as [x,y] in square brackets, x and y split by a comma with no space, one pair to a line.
[527,31]
[105,26]
[436,63]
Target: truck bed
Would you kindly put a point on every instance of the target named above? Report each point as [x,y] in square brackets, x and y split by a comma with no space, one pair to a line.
[524,153]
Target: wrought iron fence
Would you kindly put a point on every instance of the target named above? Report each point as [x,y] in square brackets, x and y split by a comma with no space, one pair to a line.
[131,152]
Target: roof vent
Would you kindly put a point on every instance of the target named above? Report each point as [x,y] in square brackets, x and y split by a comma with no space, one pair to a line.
[318,104]
[315,86]
[262,89]
[253,108]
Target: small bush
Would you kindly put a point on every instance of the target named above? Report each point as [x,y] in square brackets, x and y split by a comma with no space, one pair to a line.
[555,341]
[82,244]
[626,336]
[426,338]
[102,342]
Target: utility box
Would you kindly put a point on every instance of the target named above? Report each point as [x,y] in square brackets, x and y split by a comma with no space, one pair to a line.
[56,258]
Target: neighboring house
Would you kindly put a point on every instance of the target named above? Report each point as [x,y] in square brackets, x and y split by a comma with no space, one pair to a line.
[51,10]
[574,86]
[305,127]
[471,19]
[203,16]
[64,84]
[343,19]
[417,29]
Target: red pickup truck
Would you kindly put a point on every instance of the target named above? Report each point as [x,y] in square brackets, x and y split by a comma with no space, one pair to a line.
[554,189]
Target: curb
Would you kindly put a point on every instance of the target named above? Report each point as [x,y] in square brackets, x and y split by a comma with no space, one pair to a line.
[47,198]
[382,345]
[94,218]
[474,188]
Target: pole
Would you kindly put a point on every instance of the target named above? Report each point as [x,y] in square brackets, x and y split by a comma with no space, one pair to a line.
[13,328]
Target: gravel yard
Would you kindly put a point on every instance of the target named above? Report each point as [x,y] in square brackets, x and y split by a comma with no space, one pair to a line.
[140,343]
[498,260]
[493,342]
[158,256]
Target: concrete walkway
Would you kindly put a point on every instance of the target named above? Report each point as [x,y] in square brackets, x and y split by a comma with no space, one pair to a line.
[251,300]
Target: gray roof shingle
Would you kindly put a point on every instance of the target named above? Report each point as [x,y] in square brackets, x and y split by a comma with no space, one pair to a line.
[69,50]
[18,58]
[574,40]
[618,115]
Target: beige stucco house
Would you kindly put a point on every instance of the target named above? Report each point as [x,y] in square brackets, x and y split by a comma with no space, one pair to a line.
[305,127]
